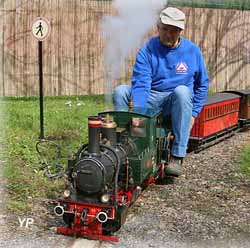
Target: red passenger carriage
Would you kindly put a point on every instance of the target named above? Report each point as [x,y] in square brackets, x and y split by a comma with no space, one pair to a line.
[217,120]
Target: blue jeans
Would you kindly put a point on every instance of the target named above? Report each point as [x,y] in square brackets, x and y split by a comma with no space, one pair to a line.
[177,105]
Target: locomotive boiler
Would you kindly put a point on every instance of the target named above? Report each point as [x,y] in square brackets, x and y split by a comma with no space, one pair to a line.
[126,152]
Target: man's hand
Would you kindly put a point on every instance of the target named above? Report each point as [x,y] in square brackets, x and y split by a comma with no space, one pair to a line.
[192,122]
[136,122]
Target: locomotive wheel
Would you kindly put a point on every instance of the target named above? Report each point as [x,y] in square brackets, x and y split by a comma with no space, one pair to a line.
[165,181]
[68,219]
[112,226]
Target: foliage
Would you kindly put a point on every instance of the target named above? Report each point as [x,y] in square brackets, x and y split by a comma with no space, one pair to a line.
[65,122]
[218,4]
[245,161]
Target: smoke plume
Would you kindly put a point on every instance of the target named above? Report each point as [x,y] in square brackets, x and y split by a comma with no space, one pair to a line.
[125,32]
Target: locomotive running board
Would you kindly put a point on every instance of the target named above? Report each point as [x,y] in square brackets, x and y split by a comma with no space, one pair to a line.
[198,144]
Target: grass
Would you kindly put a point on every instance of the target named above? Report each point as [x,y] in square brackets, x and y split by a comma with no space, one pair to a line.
[65,122]
[245,162]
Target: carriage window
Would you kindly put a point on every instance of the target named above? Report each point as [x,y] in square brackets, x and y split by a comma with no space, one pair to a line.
[210,113]
[206,114]
[138,127]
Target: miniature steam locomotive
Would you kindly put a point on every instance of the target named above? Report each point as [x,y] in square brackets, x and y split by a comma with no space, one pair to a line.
[107,175]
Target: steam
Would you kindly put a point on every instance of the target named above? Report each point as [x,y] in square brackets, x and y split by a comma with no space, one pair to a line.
[125,32]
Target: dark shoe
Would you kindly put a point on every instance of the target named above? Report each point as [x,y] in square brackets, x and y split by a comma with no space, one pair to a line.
[174,167]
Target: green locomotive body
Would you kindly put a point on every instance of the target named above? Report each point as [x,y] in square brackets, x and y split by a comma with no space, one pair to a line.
[146,158]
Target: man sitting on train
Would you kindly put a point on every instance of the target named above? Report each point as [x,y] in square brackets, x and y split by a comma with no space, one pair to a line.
[169,73]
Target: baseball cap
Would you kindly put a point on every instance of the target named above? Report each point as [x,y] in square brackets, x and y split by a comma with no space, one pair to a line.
[173,16]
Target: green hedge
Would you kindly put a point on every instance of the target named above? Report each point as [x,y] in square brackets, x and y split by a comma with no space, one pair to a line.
[218,4]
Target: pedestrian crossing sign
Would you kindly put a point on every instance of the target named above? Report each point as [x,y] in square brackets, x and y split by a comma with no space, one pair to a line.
[41,28]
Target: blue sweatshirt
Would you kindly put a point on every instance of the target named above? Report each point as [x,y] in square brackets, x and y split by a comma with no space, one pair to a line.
[160,68]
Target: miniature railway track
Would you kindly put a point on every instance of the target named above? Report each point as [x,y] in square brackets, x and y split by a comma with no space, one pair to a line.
[86,243]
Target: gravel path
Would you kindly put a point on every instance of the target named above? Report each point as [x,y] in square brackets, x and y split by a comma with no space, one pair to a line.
[209,206]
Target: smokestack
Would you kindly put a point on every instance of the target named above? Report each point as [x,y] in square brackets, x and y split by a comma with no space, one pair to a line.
[95,124]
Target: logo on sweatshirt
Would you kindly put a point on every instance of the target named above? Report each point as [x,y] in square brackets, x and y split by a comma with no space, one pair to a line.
[181,68]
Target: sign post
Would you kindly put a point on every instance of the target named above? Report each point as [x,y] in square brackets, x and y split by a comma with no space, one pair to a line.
[41,30]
